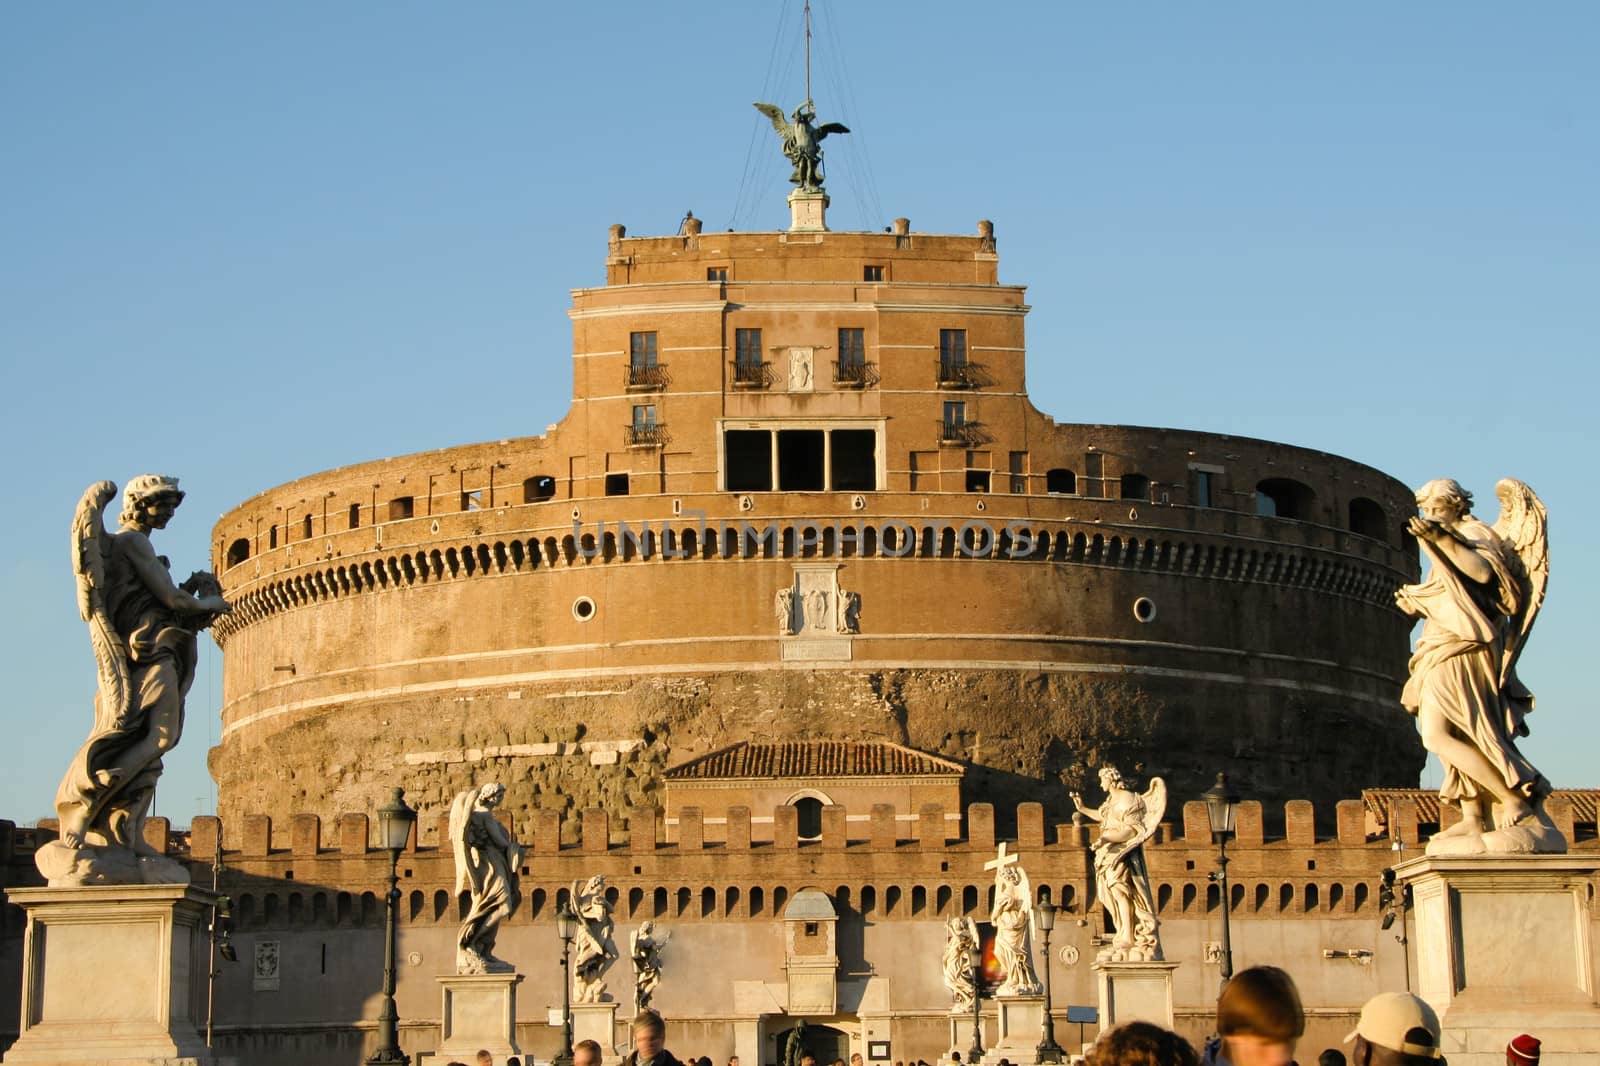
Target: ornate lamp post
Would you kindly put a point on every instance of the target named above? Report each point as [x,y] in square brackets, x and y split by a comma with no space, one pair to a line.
[394,829]
[566,928]
[1044,916]
[1221,805]
[975,956]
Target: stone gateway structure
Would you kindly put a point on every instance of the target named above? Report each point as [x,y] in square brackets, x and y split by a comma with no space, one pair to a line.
[802,493]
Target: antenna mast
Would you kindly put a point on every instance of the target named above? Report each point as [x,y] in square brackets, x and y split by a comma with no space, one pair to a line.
[808,50]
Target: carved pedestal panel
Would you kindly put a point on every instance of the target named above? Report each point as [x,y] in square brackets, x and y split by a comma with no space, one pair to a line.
[1503,947]
[114,975]
[478,1011]
[1134,992]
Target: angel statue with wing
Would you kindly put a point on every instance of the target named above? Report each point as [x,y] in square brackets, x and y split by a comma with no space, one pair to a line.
[487,861]
[644,947]
[143,627]
[1012,916]
[1483,591]
[802,142]
[593,949]
[1121,878]
[960,937]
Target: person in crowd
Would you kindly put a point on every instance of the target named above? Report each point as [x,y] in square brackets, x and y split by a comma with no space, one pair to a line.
[484,1058]
[1259,1020]
[513,1061]
[649,1042]
[1331,1057]
[587,1053]
[1523,1051]
[1396,1029]
[1141,1044]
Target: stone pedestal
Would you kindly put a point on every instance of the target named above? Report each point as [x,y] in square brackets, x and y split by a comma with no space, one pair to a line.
[114,975]
[597,1022]
[478,1011]
[961,1033]
[1020,1028]
[808,212]
[1503,947]
[1134,992]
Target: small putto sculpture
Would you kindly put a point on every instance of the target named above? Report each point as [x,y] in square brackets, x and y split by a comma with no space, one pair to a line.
[487,863]
[1121,877]
[593,948]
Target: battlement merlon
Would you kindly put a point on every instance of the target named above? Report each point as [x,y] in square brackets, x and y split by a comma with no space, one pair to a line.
[888,258]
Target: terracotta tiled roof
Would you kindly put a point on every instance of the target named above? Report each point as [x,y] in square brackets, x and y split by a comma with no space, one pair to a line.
[1379,800]
[814,758]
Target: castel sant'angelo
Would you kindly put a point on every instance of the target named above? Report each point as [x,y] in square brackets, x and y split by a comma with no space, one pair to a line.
[802,493]
[799,614]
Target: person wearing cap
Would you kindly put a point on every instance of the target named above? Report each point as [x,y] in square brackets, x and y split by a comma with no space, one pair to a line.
[1523,1051]
[1396,1029]
[1259,1020]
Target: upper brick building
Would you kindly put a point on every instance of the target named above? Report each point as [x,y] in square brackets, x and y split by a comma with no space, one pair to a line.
[802,493]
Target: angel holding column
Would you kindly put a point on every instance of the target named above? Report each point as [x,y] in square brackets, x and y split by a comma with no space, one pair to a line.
[1122,880]
[1483,590]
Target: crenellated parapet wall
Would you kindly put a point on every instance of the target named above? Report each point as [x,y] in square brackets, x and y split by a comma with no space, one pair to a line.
[328,873]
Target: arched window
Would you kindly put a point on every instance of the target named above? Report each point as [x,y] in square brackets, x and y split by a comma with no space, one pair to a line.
[1135,487]
[1368,518]
[1061,481]
[305,528]
[810,817]
[1282,497]
[238,551]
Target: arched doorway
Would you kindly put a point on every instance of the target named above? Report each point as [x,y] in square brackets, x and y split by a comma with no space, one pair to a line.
[823,1041]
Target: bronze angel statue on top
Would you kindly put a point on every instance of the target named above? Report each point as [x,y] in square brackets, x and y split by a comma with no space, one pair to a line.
[1483,591]
[802,142]
[143,628]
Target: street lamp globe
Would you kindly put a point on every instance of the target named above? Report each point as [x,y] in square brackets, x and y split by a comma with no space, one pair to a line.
[1222,804]
[395,820]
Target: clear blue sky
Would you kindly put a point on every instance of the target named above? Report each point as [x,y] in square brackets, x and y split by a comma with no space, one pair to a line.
[242,243]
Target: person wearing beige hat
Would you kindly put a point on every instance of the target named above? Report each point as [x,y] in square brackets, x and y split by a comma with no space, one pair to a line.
[1396,1029]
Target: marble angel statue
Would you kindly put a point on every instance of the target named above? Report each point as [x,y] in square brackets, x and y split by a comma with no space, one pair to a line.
[960,938]
[487,863]
[644,947]
[144,629]
[1482,594]
[1012,916]
[1122,880]
[593,948]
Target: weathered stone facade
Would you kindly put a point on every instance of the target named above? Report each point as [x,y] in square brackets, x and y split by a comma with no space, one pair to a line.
[802,492]
[307,894]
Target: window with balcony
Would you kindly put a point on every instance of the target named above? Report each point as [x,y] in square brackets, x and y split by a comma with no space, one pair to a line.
[954,369]
[852,369]
[645,429]
[644,371]
[749,370]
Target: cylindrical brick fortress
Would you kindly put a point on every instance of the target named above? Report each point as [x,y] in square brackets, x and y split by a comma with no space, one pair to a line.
[842,416]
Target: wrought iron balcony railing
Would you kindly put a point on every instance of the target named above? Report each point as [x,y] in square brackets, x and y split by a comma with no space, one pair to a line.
[647,436]
[751,375]
[960,375]
[963,433]
[641,378]
[855,375]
